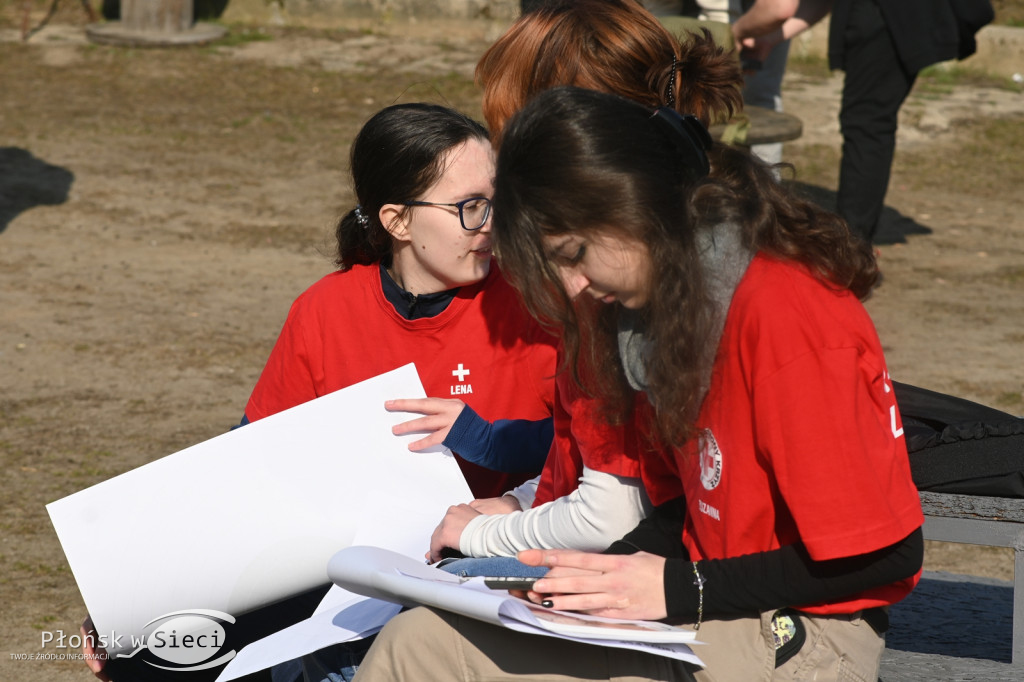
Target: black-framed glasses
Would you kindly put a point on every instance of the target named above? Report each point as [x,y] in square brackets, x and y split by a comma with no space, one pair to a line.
[473,212]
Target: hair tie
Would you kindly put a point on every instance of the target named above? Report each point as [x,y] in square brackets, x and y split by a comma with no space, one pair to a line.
[670,90]
[361,217]
[689,138]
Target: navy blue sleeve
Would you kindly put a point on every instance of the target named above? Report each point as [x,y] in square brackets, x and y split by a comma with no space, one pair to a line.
[245,420]
[507,445]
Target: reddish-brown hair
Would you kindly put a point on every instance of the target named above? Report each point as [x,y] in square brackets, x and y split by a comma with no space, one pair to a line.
[613,46]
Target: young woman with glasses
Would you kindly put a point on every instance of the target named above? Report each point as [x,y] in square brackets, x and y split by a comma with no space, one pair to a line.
[416,284]
[691,276]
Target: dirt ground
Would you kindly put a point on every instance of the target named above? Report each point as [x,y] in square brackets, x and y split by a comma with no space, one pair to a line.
[160,209]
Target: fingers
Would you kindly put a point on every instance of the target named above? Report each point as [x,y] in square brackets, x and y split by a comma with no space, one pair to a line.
[437,429]
[95,657]
[424,405]
[430,423]
[408,405]
[428,442]
[594,603]
[569,558]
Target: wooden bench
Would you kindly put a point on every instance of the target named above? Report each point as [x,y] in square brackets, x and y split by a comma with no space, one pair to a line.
[951,614]
[992,521]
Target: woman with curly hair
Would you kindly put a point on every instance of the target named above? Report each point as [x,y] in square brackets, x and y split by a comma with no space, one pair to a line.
[689,275]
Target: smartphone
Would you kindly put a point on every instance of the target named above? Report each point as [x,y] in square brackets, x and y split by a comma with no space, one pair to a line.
[510,582]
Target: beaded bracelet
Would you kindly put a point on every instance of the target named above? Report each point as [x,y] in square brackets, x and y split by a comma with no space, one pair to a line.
[699,581]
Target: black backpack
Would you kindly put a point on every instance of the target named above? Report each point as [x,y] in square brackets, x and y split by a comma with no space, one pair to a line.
[958,446]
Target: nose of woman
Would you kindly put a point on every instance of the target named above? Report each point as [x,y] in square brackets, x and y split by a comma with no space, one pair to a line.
[573,280]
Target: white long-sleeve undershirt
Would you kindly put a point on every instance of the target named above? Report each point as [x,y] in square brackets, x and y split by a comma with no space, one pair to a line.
[600,511]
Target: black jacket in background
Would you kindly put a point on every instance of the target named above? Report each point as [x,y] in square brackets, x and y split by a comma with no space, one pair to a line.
[925,32]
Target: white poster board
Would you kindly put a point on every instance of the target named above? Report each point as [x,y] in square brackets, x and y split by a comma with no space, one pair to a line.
[253,516]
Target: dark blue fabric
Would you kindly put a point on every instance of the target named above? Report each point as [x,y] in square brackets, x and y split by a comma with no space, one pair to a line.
[410,306]
[507,445]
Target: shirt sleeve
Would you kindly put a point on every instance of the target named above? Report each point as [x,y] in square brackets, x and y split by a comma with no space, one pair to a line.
[506,445]
[602,509]
[784,577]
[829,425]
[288,377]
[525,493]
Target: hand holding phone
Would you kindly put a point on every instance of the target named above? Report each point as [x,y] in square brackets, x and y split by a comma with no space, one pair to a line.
[510,582]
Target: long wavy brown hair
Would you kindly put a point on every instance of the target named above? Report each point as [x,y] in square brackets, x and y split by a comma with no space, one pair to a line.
[580,162]
[613,46]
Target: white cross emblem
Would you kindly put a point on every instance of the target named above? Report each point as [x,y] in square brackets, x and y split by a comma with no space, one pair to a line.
[461,372]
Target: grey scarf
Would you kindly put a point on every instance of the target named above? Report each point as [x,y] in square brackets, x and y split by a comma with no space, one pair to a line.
[724,260]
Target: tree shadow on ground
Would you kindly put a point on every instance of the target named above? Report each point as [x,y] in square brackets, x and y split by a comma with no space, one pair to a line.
[893,228]
[26,181]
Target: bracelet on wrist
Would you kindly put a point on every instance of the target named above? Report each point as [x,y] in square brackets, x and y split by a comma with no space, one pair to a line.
[699,581]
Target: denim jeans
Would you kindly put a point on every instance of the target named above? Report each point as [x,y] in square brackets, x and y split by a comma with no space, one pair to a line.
[336,663]
[495,565]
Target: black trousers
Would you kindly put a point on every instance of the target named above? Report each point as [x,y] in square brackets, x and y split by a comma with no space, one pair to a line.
[875,87]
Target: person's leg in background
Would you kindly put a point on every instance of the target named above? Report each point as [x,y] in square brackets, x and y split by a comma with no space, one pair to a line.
[875,86]
[763,88]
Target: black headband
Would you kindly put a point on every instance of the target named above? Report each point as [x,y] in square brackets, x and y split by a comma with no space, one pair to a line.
[689,137]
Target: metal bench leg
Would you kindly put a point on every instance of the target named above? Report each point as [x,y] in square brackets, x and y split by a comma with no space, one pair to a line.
[1018,601]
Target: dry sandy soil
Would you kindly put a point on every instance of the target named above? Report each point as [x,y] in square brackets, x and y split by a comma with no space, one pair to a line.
[159,210]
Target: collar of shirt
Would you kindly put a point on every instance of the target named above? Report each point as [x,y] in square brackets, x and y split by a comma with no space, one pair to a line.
[410,306]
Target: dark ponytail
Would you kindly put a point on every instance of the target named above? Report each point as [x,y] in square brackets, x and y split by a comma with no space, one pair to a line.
[396,157]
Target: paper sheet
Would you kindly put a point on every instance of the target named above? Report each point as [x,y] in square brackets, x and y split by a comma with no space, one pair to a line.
[207,527]
[386,575]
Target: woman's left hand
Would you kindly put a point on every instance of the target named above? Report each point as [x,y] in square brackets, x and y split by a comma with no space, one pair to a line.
[438,416]
[449,531]
[612,585]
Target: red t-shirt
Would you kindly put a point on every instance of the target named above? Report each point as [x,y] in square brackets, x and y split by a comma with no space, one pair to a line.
[483,349]
[583,438]
[800,436]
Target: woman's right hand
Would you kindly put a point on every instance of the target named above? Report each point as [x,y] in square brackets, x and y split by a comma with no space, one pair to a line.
[95,656]
[630,586]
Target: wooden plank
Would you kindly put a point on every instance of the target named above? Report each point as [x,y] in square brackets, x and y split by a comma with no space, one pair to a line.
[992,521]
[972,507]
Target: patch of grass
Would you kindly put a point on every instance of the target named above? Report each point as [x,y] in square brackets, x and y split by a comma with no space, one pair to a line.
[813,66]
[985,164]
[816,164]
[39,569]
[240,35]
[1011,401]
[941,79]
[1009,12]
[1012,275]
[44,622]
